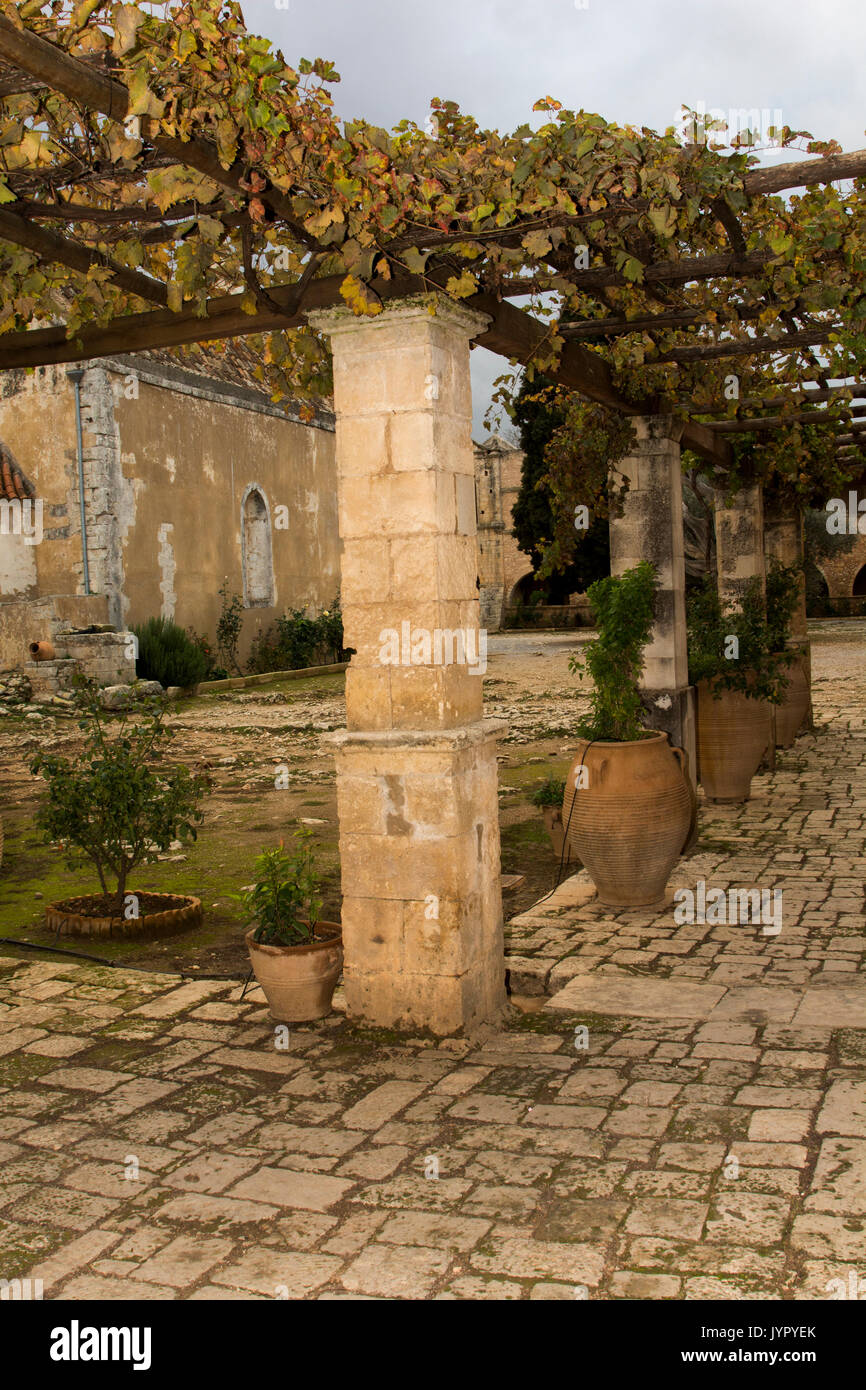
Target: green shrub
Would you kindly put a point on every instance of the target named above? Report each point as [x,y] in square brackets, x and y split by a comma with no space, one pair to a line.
[295,641]
[168,654]
[113,803]
[624,609]
[550,793]
[213,672]
[734,649]
[229,625]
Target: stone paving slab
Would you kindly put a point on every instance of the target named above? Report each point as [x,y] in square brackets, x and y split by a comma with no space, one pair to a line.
[567,1154]
[684,1119]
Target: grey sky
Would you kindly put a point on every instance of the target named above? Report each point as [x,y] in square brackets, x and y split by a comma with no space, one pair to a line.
[633,61]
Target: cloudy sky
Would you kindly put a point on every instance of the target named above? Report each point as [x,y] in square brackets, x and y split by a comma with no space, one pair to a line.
[633,61]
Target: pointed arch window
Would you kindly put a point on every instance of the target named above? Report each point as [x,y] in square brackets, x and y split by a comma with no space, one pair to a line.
[256,549]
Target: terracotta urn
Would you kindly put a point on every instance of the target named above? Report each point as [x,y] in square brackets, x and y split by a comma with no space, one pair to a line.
[628,813]
[791,713]
[733,735]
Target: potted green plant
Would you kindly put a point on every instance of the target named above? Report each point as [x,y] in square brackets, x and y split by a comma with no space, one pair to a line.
[118,805]
[737,677]
[784,585]
[548,799]
[296,957]
[628,806]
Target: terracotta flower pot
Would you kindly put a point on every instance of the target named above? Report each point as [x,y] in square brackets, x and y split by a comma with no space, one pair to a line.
[165,914]
[791,713]
[733,735]
[41,651]
[299,981]
[630,823]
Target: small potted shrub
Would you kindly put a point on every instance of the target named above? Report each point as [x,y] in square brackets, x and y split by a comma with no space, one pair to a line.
[118,805]
[737,677]
[628,807]
[548,799]
[783,593]
[296,957]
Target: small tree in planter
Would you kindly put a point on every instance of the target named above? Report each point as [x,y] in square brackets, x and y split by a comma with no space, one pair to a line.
[738,677]
[296,957]
[117,807]
[548,798]
[628,806]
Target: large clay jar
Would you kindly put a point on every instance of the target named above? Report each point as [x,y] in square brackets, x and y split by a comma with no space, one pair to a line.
[733,735]
[41,651]
[299,981]
[628,811]
[791,713]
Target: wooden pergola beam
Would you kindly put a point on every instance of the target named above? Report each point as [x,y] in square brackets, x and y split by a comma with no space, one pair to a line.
[51,247]
[799,395]
[678,272]
[512,332]
[94,90]
[777,422]
[807,337]
[803,173]
[649,323]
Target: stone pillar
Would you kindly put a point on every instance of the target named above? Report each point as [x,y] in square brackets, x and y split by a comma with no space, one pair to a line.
[783,541]
[739,542]
[416,765]
[647,524]
[740,558]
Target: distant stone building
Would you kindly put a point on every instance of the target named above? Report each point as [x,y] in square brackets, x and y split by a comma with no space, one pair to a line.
[502,567]
[189,475]
[846,576]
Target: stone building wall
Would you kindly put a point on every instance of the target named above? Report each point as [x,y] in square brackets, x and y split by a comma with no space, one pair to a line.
[846,573]
[173,460]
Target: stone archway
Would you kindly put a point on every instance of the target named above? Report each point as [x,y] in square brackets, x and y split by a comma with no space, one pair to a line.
[521,590]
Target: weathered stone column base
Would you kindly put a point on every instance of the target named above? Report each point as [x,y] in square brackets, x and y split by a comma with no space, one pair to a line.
[674,712]
[419,850]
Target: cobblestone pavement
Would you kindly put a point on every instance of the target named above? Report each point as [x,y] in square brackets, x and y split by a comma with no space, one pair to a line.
[684,1118]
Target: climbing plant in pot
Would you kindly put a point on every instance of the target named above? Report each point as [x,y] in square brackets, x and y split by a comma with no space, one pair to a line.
[296,957]
[783,594]
[628,807]
[118,805]
[736,677]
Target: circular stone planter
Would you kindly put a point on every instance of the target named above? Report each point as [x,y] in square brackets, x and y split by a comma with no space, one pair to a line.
[165,914]
[299,981]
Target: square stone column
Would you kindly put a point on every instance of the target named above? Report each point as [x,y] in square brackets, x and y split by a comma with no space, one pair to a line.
[739,542]
[783,541]
[416,766]
[646,523]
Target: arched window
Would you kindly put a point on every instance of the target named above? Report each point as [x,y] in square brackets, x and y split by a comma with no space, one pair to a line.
[256,551]
[858,588]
